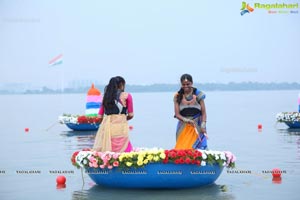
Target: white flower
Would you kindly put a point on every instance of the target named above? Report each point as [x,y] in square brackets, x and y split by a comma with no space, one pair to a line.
[82,156]
[222,156]
[213,152]
[73,120]
[288,116]
[203,163]
[68,119]
[79,157]
[84,162]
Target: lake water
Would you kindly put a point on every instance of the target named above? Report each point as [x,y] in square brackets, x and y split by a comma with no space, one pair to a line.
[232,125]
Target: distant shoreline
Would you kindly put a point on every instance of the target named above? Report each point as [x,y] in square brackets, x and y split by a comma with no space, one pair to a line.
[246,86]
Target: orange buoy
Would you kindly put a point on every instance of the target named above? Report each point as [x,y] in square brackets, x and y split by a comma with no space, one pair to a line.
[26,129]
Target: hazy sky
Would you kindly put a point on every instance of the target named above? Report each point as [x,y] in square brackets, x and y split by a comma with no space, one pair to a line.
[147,42]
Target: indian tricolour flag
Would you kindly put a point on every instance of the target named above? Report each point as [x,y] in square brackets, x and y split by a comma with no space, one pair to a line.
[56,60]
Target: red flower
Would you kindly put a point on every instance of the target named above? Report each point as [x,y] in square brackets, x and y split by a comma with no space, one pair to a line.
[190,152]
[183,156]
[173,154]
[177,161]
[187,160]
[166,160]
[75,154]
[96,120]
[181,161]
[198,153]
[181,153]
[73,157]
[91,120]
[82,119]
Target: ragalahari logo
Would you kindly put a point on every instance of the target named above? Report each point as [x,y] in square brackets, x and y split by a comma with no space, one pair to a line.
[246,8]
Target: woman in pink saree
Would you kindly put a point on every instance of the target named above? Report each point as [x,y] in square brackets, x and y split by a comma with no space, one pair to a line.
[115,111]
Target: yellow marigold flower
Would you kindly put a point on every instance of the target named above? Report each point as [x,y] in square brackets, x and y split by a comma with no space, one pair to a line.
[141,152]
[140,162]
[128,164]
[146,161]
[140,157]
[131,154]
[156,158]
[162,155]
[127,155]
[121,157]
[150,157]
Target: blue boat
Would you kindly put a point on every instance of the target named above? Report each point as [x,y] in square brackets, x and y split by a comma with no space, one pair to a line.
[83,127]
[291,119]
[294,124]
[156,176]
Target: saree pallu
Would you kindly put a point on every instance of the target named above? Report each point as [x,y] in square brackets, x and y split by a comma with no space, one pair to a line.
[188,138]
[113,134]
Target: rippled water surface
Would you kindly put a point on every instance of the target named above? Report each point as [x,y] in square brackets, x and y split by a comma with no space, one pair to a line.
[233,117]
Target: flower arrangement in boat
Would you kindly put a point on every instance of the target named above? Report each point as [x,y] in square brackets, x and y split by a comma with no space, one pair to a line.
[288,117]
[78,119]
[141,157]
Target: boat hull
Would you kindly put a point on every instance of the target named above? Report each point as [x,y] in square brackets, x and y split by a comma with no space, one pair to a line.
[82,127]
[293,124]
[157,175]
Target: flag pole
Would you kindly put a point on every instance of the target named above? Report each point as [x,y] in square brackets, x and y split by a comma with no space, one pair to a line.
[62,82]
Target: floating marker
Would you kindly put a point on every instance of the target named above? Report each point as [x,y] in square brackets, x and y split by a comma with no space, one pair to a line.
[26,129]
[276,172]
[61,180]
[259,126]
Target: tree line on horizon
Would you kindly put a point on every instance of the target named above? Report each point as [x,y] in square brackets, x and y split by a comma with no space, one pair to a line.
[232,86]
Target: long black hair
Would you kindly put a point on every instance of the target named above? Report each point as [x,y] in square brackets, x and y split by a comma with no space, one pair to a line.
[181,92]
[110,91]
